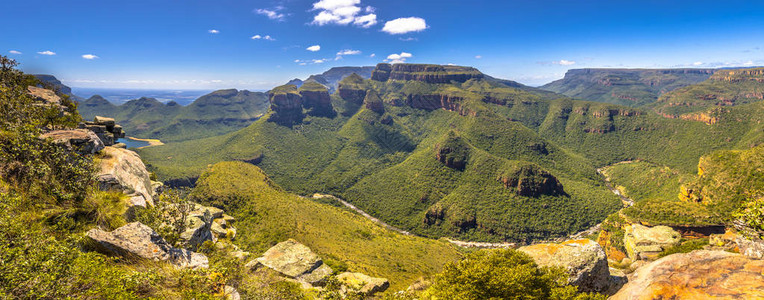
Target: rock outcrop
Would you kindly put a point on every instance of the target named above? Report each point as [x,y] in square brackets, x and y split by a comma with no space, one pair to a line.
[105,128]
[79,140]
[122,169]
[453,151]
[352,89]
[138,240]
[530,181]
[699,274]
[316,99]
[286,104]
[646,243]
[746,244]
[294,260]
[584,260]
[363,283]
[373,102]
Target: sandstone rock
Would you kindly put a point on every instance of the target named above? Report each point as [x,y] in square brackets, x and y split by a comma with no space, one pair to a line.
[79,140]
[45,96]
[202,233]
[136,239]
[584,260]
[752,247]
[230,293]
[363,283]
[123,169]
[373,102]
[643,242]
[109,122]
[699,274]
[293,260]
[286,104]
[316,99]
[530,181]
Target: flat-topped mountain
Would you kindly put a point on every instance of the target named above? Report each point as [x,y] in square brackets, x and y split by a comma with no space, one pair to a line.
[630,87]
[213,114]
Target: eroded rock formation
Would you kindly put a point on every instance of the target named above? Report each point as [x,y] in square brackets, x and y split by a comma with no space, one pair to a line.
[584,260]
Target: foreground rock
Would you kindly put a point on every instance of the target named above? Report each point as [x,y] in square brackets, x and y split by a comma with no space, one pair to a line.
[122,169]
[79,140]
[138,240]
[584,260]
[363,283]
[646,243]
[748,244]
[697,275]
[294,260]
[105,128]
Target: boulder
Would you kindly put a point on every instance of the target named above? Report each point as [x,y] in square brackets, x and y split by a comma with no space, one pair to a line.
[363,283]
[79,140]
[138,240]
[294,260]
[230,293]
[643,242]
[45,96]
[747,244]
[123,169]
[202,233]
[699,274]
[584,260]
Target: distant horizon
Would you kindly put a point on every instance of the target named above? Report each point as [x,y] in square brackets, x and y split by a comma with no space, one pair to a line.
[148,44]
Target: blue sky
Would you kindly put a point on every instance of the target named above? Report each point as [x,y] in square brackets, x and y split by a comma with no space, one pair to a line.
[212,44]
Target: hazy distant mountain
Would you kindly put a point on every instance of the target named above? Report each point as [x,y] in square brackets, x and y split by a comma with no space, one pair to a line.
[333,76]
[631,87]
[213,114]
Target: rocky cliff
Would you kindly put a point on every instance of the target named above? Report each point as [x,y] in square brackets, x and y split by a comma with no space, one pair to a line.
[424,73]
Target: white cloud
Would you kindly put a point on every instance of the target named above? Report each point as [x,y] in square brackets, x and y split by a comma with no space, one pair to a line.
[405,25]
[748,63]
[349,52]
[318,61]
[272,14]
[313,48]
[408,39]
[478,56]
[14,52]
[398,58]
[373,55]
[46,52]
[213,31]
[258,37]
[343,12]
[563,62]
[697,63]
[89,56]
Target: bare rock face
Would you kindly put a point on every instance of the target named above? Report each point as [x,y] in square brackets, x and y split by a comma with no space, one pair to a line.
[294,260]
[531,181]
[316,99]
[286,104]
[373,102]
[105,128]
[646,243]
[80,140]
[123,169]
[584,260]
[363,283]
[136,239]
[424,72]
[381,72]
[699,274]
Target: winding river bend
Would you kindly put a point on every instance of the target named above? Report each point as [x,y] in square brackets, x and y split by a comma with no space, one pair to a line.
[626,202]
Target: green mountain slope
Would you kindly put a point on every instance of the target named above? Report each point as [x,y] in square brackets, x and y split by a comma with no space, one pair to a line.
[213,114]
[630,87]
[725,88]
[267,215]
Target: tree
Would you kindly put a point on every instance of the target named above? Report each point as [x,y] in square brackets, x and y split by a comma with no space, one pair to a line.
[501,274]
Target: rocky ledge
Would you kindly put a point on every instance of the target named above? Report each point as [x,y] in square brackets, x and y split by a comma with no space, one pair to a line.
[699,274]
[138,240]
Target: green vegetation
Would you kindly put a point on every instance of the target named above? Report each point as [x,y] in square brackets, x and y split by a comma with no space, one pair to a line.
[267,215]
[724,88]
[629,87]
[501,274]
[641,180]
[217,113]
[685,246]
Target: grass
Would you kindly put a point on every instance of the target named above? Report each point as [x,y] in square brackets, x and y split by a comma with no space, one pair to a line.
[266,215]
